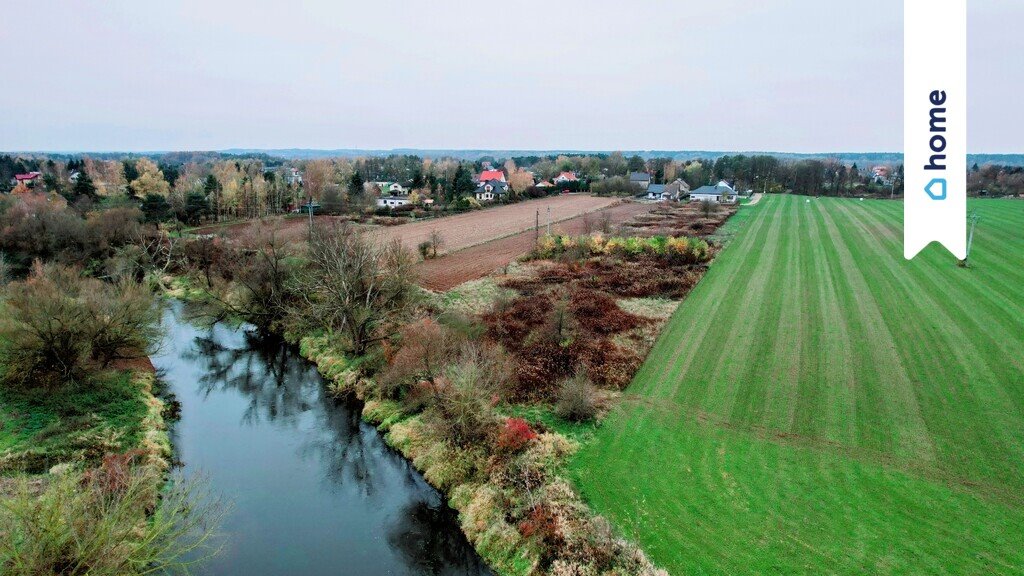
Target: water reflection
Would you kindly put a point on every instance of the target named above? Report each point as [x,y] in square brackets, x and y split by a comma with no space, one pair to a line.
[314,489]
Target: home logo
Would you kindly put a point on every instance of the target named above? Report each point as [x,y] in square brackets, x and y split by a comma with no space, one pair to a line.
[935,125]
[936,189]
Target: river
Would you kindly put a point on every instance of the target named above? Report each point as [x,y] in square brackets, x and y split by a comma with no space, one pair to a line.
[312,489]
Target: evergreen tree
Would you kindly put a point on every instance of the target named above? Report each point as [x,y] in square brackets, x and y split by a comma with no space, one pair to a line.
[131,173]
[211,189]
[196,207]
[355,184]
[155,208]
[170,172]
[461,184]
[84,186]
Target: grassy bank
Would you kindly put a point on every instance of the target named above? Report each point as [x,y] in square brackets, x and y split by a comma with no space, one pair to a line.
[115,412]
[820,405]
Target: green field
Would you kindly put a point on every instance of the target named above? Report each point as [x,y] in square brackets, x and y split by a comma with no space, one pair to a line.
[819,405]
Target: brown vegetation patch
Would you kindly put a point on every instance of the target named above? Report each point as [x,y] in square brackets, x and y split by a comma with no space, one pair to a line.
[628,279]
[678,219]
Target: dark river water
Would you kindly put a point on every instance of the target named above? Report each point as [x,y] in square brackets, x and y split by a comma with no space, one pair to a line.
[312,489]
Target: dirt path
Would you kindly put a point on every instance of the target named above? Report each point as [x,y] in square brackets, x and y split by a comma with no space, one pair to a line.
[754,199]
[449,271]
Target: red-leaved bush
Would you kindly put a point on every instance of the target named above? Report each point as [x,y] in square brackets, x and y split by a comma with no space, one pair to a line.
[515,435]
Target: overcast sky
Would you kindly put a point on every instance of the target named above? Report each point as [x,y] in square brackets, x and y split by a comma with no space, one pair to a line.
[778,75]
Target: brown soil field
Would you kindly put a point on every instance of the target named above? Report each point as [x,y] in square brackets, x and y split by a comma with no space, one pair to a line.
[450,270]
[472,228]
[458,232]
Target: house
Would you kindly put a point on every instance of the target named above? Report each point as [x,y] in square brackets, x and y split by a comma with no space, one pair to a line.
[566,177]
[488,175]
[655,191]
[397,189]
[545,184]
[882,175]
[641,179]
[294,177]
[491,190]
[719,193]
[391,201]
[659,192]
[677,190]
[29,179]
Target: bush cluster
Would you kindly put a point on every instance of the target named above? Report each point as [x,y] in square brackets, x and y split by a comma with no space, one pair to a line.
[677,250]
[629,279]
[60,326]
[36,226]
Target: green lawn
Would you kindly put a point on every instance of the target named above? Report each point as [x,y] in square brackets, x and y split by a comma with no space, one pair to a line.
[819,405]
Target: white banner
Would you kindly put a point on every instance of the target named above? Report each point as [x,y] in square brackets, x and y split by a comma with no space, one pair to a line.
[935,125]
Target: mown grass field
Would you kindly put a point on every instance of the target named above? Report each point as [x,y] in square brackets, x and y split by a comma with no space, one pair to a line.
[819,405]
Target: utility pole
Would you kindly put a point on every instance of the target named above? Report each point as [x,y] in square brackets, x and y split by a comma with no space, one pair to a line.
[549,220]
[536,228]
[974,217]
[310,208]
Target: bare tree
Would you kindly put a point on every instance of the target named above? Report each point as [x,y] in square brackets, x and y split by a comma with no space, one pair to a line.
[436,242]
[355,286]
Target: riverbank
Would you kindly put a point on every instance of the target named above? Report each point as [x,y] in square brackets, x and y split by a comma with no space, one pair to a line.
[82,477]
[43,431]
[560,534]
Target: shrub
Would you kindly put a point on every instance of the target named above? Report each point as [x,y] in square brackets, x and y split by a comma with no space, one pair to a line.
[515,435]
[59,325]
[460,411]
[427,347]
[105,522]
[577,399]
[424,249]
[608,364]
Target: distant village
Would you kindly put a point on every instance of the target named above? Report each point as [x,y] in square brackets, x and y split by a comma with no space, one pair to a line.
[195,187]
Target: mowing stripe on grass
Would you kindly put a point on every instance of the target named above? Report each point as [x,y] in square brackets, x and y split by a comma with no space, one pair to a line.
[820,405]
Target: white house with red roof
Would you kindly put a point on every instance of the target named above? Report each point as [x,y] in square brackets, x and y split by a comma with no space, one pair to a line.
[565,177]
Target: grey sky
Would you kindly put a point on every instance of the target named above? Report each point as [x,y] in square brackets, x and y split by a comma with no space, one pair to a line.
[780,75]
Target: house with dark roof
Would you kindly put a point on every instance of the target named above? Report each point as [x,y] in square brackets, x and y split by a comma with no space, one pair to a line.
[720,193]
[641,179]
[491,190]
[654,192]
[676,190]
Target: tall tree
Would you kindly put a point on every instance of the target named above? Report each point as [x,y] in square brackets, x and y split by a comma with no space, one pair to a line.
[84,186]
